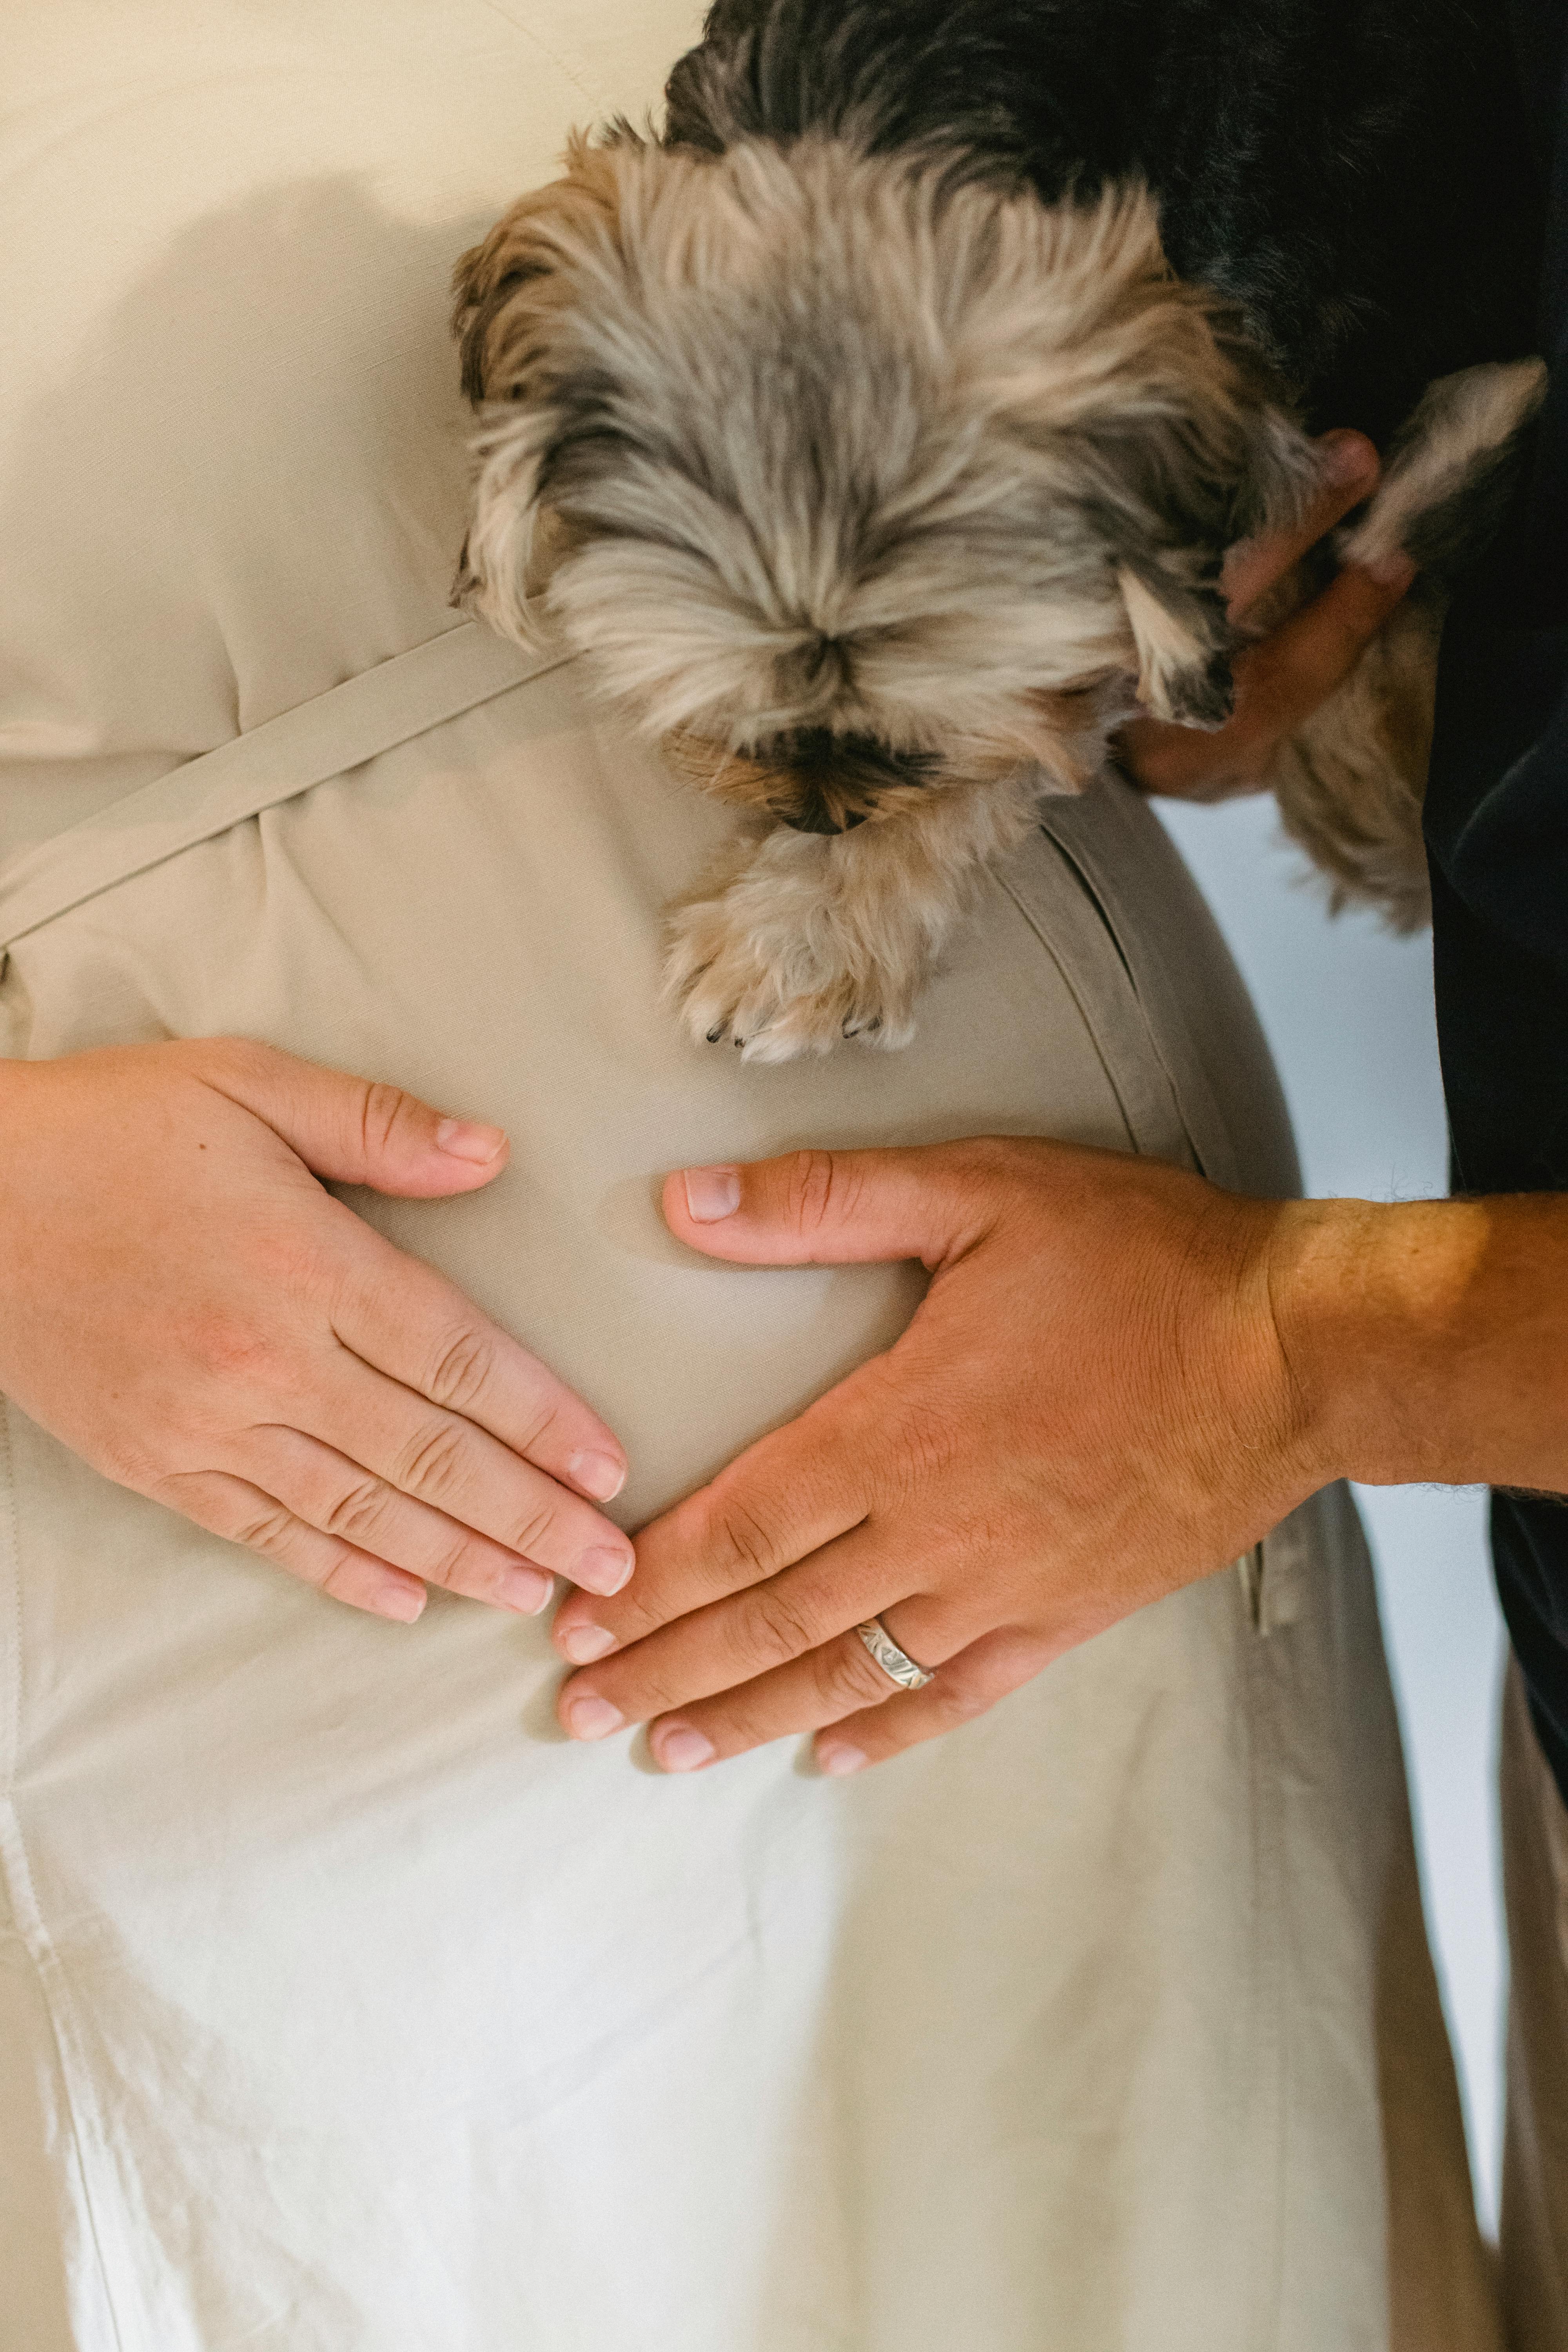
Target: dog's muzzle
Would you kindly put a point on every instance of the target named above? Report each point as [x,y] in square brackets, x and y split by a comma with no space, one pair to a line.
[838,779]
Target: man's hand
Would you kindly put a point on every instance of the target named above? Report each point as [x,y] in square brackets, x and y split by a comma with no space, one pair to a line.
[1281,680]
[1093,1406]
[184,1305]
[1119,1379]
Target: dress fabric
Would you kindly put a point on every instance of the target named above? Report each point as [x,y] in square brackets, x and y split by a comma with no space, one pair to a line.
[344,2006]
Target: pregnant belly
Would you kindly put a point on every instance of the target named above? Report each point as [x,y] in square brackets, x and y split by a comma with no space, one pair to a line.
[477,915]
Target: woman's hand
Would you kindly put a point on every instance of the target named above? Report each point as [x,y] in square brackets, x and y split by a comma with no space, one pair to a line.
[1280,680]
[184,1305]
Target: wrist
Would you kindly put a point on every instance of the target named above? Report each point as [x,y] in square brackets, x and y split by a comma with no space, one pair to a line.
[1370,1303]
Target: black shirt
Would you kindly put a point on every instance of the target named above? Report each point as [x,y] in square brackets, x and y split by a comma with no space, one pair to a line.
[1496,831]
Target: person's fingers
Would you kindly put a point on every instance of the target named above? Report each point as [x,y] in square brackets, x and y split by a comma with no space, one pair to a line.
[334,1495]
[734,1640]
[827,1208]
[1349,472]
[839,1678]
[243,1514]
[410,1322]
[442,1459]
[966,1686]
[780,1501]
[1288,673]
[1279,682]
[353,1131]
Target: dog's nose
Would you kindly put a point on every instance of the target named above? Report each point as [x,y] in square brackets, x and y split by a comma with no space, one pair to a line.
[835,782]
[812,813]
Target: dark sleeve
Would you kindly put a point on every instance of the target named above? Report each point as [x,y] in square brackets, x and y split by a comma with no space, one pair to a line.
[1496,834]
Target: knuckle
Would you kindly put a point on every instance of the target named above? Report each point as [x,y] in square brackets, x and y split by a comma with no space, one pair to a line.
[264,1527]
[812,1189]
[453,1568]
[743,1719]
[357,1512]
[383,1109]
[630,1614]
[332,1575]
[430,1464]
[773,1628]
[647,1691]
[463,1369]
[744,1547]
[846,1676]
[533,1432]
[533,1531]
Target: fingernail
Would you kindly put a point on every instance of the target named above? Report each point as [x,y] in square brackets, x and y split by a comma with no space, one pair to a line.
[528,1589]
[1348,458]
[401,1602]
[604,1570]
[681,1749]
[592,1718]
[711,1193]
[1392,571]
[463,1140]
[583,1644]
[837,1757]
[599,1475]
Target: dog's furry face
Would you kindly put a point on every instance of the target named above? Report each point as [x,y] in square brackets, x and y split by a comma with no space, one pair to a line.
[855,475]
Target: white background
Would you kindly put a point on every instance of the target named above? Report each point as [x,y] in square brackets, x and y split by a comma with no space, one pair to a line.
[1348,1011]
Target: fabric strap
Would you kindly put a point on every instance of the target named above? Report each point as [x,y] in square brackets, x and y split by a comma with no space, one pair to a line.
[1107,840]
[303,747]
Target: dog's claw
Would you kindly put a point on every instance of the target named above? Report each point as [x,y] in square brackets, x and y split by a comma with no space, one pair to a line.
[714,1034]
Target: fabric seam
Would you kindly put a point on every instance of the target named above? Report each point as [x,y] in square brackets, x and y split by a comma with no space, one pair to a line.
[1148,949]
[1271,2020]
[595,96]
[1086,1013]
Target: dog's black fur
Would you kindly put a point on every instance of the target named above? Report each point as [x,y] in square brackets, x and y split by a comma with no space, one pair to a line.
[1354,174]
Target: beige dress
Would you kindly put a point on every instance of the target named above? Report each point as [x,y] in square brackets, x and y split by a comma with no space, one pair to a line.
[344,2006]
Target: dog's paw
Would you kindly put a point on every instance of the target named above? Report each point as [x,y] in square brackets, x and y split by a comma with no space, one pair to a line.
[773,1002]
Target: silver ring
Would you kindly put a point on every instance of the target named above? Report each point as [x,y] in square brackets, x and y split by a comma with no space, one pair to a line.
[896,1664]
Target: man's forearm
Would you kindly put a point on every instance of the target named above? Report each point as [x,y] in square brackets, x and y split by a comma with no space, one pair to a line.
[1429,1340]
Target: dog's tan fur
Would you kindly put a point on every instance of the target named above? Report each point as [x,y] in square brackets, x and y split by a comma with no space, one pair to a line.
[876,495]
[1351,782]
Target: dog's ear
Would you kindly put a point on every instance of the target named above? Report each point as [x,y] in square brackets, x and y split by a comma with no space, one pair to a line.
[514,298]
[1199,484]
[1144,400]
[510,290]
[1183,643]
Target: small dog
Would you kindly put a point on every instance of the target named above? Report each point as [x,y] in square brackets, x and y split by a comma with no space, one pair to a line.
[879,429]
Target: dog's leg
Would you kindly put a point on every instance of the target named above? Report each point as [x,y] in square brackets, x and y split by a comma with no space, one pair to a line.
[801,939]
[1351,782]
